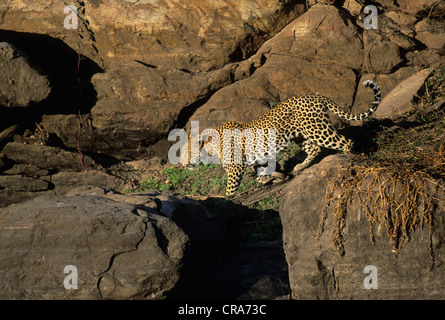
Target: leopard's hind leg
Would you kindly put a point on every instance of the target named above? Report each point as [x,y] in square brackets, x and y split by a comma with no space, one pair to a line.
[234,175]
[333,140]
[312,150]
[329,139]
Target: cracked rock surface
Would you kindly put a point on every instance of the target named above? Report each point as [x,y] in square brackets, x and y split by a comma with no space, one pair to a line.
[121,250]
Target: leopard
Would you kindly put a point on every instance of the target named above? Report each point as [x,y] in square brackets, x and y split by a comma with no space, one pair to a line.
[303,117]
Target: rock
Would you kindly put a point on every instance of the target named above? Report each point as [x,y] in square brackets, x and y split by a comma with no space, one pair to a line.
[322,34]
[398,102]
[65,181]
[354,7]
[178,35]
[66,128]
[20,183]
[402,41]
[45,157]
[412,8]
[318,271]
[124,246]
[382,54]
[384,57]
[432,7]
[245,69]
[432,34]
[401,18]
[26,170]
[425,58]
[204,228]
[34,170]
[20,84]
[9,197]
[138,105]
[7,135]
[120,251]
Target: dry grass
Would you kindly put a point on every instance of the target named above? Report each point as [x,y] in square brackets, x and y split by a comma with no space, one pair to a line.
[396,197]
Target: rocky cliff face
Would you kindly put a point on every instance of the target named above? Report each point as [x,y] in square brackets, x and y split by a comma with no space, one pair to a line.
[161,60]
[146,67]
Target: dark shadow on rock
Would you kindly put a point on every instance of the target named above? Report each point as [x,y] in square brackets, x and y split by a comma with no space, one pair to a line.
[71,89]
[250,265]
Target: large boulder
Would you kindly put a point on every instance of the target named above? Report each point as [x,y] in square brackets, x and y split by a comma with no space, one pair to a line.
[328,238]
[204,228]
[120,251]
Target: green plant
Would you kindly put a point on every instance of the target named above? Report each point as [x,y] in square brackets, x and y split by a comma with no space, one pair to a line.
[289,152]
[270,202]
[248,182]
[202,179]
[149,184]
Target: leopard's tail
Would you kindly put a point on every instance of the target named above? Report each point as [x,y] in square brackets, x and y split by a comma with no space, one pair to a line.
[351,116]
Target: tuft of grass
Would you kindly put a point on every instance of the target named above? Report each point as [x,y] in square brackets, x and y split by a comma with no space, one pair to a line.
[422,144]
[422,147]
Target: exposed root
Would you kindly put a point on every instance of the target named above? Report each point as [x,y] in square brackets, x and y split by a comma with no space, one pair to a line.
[398,196]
